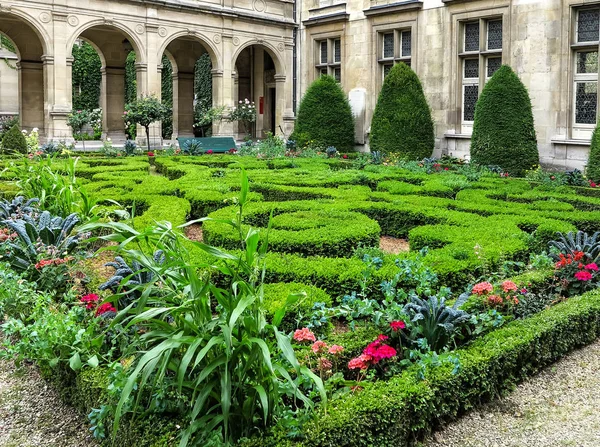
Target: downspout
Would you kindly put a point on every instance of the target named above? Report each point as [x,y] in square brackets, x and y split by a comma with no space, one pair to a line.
[295,60]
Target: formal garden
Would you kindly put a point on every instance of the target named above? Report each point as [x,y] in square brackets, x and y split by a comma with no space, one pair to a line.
[293,292]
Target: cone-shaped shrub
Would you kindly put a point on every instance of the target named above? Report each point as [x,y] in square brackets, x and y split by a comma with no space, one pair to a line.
[325,117]
[14,141]
[503,131]
[402,121]
[593,165]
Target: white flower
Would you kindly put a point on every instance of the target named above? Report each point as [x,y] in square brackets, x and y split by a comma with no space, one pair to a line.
[240,101]
[24,132]
[108,139]
[35,129]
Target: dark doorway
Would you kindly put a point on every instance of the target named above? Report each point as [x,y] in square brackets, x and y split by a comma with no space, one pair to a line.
[272,102]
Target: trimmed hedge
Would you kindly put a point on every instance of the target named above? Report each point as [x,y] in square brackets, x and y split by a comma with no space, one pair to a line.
[325,117]
[503,130]
[593,165]
[402,122]
[14,141]
[397,411]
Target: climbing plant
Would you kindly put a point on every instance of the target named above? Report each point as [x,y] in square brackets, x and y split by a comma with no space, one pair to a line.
[203,93]
[5,42]
[167,97]
[87,77]
[130,90]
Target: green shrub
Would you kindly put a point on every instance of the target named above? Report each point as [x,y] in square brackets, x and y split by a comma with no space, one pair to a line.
[503,131]
[593,164]
[402,121]
[14,141]
[324,117]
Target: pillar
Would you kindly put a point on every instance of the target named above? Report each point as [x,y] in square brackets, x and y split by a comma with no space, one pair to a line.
[258,79]
[223,88]
[288,117]
[280,103]
[31,86]
[58,81]
[185,104]
[115,103]
[175,105]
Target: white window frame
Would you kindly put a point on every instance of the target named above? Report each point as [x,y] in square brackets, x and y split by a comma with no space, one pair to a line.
[397,51]
[331,64]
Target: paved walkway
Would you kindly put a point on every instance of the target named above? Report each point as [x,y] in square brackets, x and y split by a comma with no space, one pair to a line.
[559,407]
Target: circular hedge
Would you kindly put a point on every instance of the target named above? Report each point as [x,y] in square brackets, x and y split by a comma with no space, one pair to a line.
[402,121]
[301,228]
[503,130]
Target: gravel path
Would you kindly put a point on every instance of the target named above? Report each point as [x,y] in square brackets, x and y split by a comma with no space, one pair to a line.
[32,414]
[559,407]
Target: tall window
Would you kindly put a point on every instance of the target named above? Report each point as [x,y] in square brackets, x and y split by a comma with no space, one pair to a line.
[585,74]
[329,58]
[396,46]
[480,57]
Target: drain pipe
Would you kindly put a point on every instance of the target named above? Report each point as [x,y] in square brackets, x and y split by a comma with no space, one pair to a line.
[295,60]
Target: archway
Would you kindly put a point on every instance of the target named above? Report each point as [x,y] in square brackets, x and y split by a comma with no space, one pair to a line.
[190,60]
[30,48]
[258,78]
[118,52]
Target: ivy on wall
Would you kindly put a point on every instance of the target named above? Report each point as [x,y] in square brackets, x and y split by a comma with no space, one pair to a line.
[130,89]
[87,77]
[203,81]
[167,96]
[5,42]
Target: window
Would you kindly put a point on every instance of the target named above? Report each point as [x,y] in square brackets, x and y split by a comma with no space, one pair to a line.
[585,73]
[396,46]
[480,57]
[330,58]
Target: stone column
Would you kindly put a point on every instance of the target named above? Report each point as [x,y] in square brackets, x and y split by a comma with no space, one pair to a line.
[31,86]
[288,119]
[115,103]
[185,104]
[59,85]
[258,66]
[176,105]
[104,104]
[280,102]
[223,88]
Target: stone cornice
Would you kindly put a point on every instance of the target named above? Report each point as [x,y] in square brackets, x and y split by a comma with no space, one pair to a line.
[391,8]
[329,18]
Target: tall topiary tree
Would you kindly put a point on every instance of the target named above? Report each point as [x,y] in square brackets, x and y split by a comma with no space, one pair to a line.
[402,121]
[14,141]
[325,117]
[593,165]
[503,130]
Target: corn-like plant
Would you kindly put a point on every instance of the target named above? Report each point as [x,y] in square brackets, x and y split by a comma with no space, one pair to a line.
[210,344]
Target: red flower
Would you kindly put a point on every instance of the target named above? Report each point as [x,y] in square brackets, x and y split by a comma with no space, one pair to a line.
[105,308]
[319,346]
[445,169]
[345,156]
[592,184]
[90,300]
[593,267]
[304,334]
[583,276]
[209,151]
[397,325]
[378,351]
[150,154]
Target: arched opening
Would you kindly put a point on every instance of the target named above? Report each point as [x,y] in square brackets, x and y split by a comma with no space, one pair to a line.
[111,85]
[187,86]
[256,79]
[22,74]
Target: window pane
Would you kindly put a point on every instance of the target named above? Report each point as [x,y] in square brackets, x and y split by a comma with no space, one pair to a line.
[586,102]
[472,36]
[494,38]
[337,74]
[588,25]
[324,52]
[386,69]
[471,92]
[587,62]
[323,71]
[471,68]
[337,50]
[493,64]
[406,43]
[388,45]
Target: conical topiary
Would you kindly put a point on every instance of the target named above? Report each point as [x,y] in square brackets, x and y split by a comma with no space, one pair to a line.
[14,141]
[593,166]
[503,130]
[325,117]
[402,121]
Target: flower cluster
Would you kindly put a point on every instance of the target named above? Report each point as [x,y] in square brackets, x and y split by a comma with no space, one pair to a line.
[304,334]
[6,235]
[565,260]
[52,262]
[593,184]
[502,296]
[373,354]
[91,303]
[576,272]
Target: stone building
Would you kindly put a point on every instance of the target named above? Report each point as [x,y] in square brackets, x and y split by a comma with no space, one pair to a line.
[270,50]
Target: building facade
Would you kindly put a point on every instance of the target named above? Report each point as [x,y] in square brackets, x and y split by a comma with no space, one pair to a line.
[269,51]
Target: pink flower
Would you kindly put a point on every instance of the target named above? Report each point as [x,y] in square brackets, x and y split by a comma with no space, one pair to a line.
[345,156]
[361,362]
[90,300]
[105,308]
[509,286]
[583,276]
[397,325]
[325,364]
[378,351]
[593,267]
[319,346]
[209,151]
[335,349]
[150,154]
[483,288]
[304,334]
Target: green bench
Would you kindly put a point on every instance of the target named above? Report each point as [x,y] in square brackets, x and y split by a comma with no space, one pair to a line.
[197,146]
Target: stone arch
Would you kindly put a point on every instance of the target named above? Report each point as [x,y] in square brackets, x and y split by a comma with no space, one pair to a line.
[208,45]
[33,48]
[269,48]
